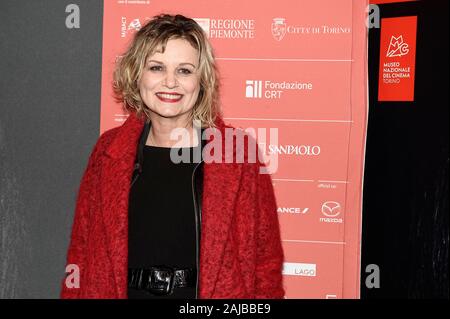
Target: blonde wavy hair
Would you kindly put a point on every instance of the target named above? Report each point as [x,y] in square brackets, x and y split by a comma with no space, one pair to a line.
[152,36]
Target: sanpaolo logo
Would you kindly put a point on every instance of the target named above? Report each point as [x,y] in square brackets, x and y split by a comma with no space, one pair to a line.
[397,47]
[299,269]
[279,28]
[301,150]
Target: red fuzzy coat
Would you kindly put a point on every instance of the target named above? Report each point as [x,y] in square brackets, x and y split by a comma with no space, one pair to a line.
[240,249]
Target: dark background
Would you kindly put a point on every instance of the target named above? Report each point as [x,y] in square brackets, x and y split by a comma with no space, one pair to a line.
[405,199]
[49,121]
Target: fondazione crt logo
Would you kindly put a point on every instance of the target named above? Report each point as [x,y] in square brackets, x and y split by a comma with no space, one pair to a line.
[267,89]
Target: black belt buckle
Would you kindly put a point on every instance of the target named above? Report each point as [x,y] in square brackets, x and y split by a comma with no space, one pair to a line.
[161,280]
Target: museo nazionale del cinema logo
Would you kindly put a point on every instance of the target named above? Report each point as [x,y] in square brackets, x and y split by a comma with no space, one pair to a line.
[395,69]
[397,47]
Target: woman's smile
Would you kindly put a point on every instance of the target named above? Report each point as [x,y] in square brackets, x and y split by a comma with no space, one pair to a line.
[169,97]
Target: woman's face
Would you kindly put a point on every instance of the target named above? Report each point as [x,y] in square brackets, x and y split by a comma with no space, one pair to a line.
[170,81]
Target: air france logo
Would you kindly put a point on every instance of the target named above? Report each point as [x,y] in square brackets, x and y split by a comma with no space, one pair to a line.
[397,47]
[279,28]
[292,210]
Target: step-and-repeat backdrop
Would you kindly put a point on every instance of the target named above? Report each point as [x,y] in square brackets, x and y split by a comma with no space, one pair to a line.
[298,66]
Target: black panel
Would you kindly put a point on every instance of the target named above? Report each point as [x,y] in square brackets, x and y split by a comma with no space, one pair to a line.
[405,203]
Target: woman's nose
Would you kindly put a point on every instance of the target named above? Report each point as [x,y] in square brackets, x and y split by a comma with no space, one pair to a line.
[170,80]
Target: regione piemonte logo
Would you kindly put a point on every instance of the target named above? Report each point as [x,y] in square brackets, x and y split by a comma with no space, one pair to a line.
[397,47]
[228,28]
[279,28]
[204,23]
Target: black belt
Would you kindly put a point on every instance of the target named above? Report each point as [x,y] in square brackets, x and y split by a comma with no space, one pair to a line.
[161,280]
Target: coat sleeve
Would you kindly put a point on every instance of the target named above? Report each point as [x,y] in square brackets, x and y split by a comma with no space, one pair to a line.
[85,199]
[269,282]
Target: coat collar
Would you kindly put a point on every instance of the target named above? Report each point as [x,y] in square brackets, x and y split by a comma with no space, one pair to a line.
[126,139]
[220,186]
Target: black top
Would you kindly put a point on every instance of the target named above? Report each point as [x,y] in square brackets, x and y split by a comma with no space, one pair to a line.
[161,222]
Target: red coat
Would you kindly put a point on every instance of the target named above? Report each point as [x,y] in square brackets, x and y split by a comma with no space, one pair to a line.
[240,249]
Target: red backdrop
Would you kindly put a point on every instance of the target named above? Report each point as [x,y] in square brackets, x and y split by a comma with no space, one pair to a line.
[320,47]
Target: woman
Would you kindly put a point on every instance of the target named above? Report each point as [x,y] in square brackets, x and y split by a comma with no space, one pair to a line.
[149,226]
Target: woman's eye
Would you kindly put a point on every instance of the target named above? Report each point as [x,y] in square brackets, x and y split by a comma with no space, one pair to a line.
[155,68]
[185,71]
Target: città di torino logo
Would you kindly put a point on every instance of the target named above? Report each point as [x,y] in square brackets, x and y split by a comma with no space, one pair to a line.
[280,29]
